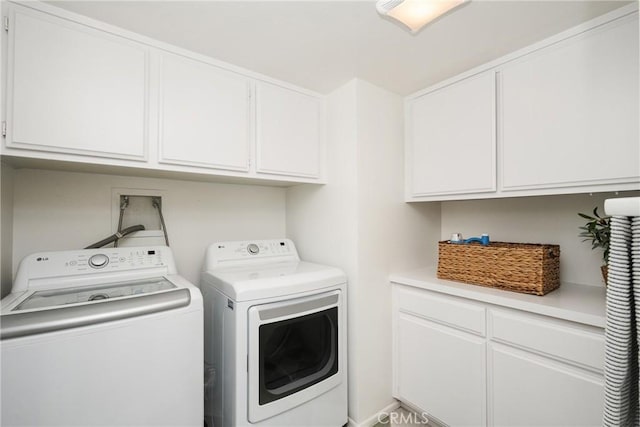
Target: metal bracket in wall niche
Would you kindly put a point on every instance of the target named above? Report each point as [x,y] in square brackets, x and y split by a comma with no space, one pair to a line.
[139,206]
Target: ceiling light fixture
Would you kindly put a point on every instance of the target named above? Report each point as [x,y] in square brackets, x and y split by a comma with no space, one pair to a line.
[415,14]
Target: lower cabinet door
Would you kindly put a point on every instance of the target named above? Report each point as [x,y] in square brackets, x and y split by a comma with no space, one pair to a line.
[441,371]
[531,390]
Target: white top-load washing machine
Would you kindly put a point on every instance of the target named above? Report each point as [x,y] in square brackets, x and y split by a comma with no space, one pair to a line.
[275,337]
[108,337]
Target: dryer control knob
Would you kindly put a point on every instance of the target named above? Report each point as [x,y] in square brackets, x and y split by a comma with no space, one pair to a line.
[98,261]
[253,249]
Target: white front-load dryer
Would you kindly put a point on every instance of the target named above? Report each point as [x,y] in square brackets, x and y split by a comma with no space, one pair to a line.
[275,337]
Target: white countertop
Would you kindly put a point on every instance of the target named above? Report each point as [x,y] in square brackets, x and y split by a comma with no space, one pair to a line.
[576,303]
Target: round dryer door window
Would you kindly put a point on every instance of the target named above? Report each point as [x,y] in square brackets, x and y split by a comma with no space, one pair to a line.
[293,352]
[297,353]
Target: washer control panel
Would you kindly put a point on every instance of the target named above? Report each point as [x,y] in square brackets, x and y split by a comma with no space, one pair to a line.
[61,265]
[95,260]
[98,261]
[116,259]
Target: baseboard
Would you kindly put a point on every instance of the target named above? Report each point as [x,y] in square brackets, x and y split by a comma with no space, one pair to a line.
[375,418]
[434,422]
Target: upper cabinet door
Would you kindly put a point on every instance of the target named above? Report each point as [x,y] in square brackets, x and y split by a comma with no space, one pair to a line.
[204,115]
[570,111]
[288,132]
[74,89]
[451,144]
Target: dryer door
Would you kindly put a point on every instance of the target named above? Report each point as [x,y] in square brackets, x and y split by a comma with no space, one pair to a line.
[293,352]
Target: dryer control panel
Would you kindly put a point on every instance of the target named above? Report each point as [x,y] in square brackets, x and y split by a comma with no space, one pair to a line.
[247,251]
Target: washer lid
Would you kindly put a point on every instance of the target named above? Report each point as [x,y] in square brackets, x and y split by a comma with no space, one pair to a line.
[268,280]
[77,295]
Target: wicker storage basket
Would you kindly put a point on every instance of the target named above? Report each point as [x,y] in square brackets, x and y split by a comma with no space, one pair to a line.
[519,267]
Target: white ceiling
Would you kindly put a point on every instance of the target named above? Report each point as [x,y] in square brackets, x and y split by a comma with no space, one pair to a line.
[320,45]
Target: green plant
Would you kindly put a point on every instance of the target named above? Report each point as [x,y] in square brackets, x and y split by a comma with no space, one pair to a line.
[597,230]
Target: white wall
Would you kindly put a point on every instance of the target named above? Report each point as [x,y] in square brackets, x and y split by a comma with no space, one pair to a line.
[548,219]
[393,236]
[359,222]
[62,210]
[322,220]
[6,227]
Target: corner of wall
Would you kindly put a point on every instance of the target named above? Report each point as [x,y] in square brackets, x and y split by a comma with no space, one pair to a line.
[359,221]
[6,228]
[321,219]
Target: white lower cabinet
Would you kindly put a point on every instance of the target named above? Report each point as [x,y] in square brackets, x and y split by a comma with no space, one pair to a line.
[442,370]
[467,362]
[440,356]
[531,390]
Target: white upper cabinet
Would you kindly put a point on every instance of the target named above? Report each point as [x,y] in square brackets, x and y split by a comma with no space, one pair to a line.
[288,132]
[84,92]
[451,144]
[570,111]
[562,118]
[204,115]
[74,89]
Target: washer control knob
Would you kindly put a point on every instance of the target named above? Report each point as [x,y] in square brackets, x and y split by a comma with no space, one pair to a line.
[253,249]
[98,261]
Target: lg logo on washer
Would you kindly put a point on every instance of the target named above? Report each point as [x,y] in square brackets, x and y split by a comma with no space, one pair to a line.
[41,258]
